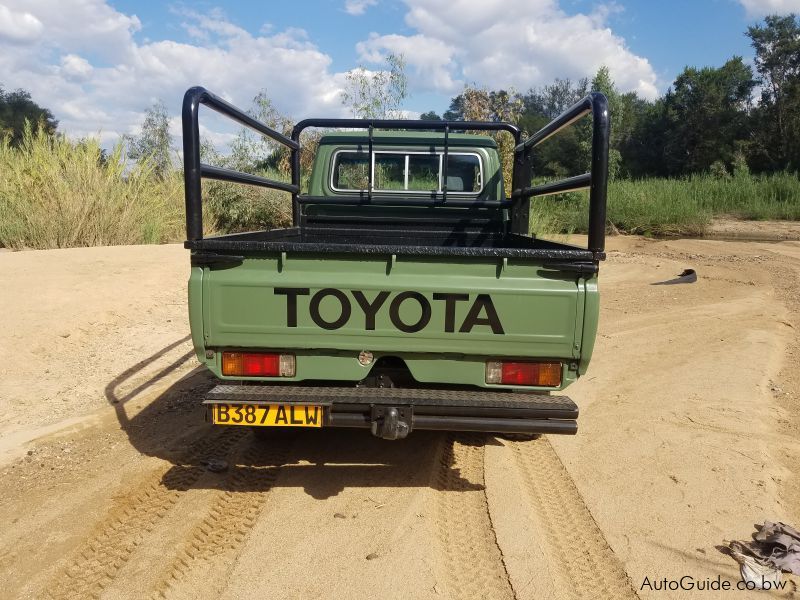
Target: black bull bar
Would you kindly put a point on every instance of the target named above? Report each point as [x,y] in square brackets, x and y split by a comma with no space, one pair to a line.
[392,413]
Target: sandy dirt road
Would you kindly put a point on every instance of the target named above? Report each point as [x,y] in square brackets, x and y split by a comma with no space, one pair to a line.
[689,434]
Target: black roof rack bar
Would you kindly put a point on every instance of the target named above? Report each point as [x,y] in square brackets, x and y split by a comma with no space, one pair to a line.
[371,168]
[221,174]
[401,201]
[596,180]
[193,170]
[444,163]
[570,184]
[403,124]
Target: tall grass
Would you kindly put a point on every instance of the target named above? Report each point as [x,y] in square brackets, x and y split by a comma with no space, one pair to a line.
[232,207]
[664,207]
[56,193]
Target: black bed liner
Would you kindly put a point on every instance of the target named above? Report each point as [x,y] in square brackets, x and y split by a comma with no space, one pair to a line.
[402,241]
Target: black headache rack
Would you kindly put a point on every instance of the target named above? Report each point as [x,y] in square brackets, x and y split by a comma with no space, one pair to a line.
[392,413]
[457,241]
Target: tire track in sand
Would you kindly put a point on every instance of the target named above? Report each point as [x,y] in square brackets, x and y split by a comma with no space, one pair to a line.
[135,514]
[472,560]
[224,529]
[579,556]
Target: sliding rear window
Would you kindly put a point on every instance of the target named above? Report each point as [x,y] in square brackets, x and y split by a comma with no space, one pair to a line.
[407,172]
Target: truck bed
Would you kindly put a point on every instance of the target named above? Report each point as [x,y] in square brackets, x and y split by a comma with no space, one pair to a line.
[426,241]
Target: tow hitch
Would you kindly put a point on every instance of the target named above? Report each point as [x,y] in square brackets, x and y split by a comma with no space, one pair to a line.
[390,422]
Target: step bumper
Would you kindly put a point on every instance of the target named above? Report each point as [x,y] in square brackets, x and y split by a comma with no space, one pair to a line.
[381,409]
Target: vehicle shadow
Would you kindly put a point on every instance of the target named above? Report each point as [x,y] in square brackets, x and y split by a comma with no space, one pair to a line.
[171,424]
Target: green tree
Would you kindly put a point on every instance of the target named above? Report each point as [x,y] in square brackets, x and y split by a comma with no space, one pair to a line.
[707,112]
[703,119]
[16,108]
[480,104]
[456,110]
[777,47]
[561,155]
[641,147]
[377,95]
[602,82]
[154,142]
[430,116]
[551,100]
[253,152]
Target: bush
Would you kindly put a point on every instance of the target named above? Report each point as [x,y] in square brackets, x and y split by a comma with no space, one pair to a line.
[232,207]
[55,193]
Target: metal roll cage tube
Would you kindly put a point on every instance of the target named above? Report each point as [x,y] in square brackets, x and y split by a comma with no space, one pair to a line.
[596,180]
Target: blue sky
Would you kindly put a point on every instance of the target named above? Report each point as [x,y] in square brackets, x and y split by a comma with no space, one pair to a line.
[98,63]
[669,34]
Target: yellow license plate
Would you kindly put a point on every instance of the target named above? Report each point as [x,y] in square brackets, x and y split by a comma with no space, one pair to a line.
[267,415]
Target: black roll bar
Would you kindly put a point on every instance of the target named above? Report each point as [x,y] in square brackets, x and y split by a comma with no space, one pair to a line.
[194,170]
[221,174]
[596,180]
[570,184]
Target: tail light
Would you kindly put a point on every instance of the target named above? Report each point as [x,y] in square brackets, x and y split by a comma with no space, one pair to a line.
[542,374]
[258,364]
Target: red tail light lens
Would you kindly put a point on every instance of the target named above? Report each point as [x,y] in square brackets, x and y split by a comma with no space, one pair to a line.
[257,364]
[541,374]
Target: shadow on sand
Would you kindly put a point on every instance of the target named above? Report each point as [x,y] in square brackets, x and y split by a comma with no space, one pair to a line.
[172,426]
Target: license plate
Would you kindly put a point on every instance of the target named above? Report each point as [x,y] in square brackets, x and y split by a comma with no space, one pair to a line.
[267,415]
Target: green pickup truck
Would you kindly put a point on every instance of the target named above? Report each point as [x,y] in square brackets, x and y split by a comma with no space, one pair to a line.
[408,294]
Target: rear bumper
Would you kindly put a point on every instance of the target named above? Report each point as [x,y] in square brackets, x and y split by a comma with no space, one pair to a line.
[394,412]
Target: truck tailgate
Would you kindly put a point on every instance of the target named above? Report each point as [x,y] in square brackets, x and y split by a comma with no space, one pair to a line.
[397,304]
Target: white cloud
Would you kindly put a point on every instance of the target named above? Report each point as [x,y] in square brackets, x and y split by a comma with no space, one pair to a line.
[431,59]
[81,25]
[504,43]
[83,60]
[358,7]
[760,8]
[18,27]
[76,67]
[88,68]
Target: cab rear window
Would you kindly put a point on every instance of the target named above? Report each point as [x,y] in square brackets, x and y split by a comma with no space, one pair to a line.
[407,172]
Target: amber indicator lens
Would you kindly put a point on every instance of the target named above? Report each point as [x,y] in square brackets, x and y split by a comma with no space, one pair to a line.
[540,374]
